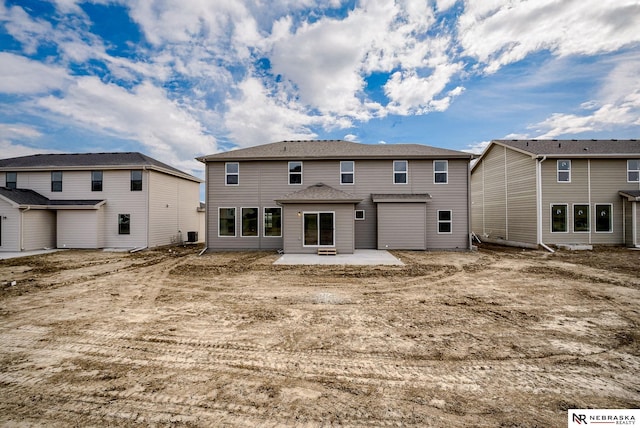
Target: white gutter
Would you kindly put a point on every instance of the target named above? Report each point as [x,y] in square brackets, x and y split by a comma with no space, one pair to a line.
[135,250]
[203,251]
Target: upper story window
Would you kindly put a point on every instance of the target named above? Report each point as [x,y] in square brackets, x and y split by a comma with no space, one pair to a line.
[564,170]
[440,171]
[295,172]
[96,181]
[347,172]
[232,173]
[11,181]
[136,180]
[56,181]
[400,172]
[633,170]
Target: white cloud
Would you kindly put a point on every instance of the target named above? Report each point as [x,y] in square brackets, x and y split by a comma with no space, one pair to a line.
[350,137]
[477,148]
[12,136]
[499,32]
[20,75]
[618,105]
[144,114]
[257,117]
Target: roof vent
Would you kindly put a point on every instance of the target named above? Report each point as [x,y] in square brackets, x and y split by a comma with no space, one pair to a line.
[559,145]
[586,149]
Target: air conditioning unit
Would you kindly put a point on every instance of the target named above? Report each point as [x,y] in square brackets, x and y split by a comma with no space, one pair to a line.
[192,236]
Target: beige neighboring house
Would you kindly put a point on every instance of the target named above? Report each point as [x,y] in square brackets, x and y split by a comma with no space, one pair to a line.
[306,196]
[542,192]
[96,200]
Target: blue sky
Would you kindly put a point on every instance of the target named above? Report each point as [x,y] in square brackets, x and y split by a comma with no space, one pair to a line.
[176,79]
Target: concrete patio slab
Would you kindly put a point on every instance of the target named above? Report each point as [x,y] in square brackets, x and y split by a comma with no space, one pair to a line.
[358,258]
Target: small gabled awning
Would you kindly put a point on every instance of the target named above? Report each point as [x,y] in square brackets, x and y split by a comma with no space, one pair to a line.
[319,193]
[631,195]
[401,197]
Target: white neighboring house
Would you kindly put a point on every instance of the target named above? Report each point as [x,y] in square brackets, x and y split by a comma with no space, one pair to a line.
[96,200]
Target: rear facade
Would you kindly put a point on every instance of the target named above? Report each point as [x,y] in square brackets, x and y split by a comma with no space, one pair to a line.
[538,192]
[304,195]
[95,200]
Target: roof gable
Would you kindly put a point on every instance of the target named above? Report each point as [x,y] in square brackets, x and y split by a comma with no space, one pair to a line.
[334,149]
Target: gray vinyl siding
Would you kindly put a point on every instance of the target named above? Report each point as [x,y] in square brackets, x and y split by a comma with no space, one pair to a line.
[521,198]
[39,229]
[11,225]
[262,182]
[293,233]
[593,182]
[79,228]
[491,179]
[402,226]
[477,199]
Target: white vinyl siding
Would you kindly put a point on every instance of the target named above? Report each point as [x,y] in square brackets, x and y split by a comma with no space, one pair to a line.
[39,229]
[80,228]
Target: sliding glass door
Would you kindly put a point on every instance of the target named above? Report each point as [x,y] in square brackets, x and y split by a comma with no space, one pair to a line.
[319,229]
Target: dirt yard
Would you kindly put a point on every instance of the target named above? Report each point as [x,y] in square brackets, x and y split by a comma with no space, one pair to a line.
[497,337]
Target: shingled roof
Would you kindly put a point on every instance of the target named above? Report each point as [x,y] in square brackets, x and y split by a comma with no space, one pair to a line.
[575,148]
[334,149]
[319,193]
[29,198]
[115,160]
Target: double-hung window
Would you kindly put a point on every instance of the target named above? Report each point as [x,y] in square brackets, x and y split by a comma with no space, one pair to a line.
[633,170]
[440,171]
[604,218]
[136,180]
[273,222]
[249,221]
[232,173]
[56,181]
[559,218]
[227,222]
[96,181]
[295,172]
[400,172]
[564,171]
[124,224]
[445,221]
[11,181]
[347,172]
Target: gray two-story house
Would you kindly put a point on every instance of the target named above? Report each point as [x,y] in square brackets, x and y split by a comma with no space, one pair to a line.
[534,193]
[302,196]
[96,200]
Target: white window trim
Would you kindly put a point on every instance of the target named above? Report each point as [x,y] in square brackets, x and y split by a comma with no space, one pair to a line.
[226,174]
[551,217]
[444,221]
[235,221]
[257,235]
[353,172]
[400,172]
[334,229]
[558,171]
[573,215]
[446,172]
[633,170]
[264,219]
[595,222]
[355,216]
[289,173]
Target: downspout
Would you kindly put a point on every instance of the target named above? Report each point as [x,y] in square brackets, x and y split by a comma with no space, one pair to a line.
[539,202]
[469,207]
[589,190]
[146,195]
[22,226]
